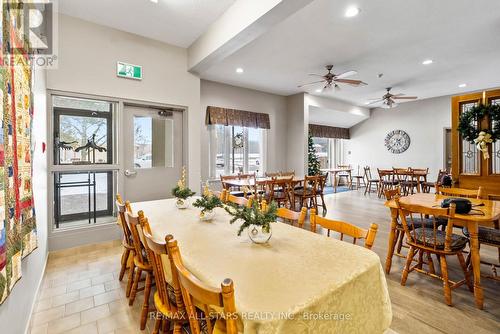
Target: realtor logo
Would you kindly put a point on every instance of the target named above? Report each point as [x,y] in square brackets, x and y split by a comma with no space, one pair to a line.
[29,27]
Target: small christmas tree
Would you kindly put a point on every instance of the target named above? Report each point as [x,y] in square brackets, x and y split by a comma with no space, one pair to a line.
[313,165]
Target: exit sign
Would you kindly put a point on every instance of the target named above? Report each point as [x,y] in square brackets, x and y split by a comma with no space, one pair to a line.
[128,71]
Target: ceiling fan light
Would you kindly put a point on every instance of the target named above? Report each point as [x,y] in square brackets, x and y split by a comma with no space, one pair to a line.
[352,11]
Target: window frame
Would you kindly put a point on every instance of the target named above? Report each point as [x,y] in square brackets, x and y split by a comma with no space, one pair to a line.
[108,115]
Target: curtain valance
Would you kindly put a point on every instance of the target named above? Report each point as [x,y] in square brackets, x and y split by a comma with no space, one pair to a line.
[324,131]
[227,116]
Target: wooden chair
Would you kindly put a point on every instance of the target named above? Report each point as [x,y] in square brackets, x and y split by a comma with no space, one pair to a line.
[369,181]
[460,192]
[359,178]
[490,237]
[166,301]
[347,175]
[280,190]
[142,264]
[426,186]
[420,175]
[432,240]
[345,228]
[387,180]
[239,200]
[292,216]
[198,295]
[273,174]
[313,187]
[406,180]
[127,259]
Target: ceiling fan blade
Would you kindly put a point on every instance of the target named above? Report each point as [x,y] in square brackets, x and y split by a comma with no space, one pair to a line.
[400,94]
[316,75]
[346,74]
[376,101]
[405,97]
[310,83]
[350,82]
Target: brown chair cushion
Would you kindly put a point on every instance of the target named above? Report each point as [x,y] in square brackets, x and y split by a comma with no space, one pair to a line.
[458,242]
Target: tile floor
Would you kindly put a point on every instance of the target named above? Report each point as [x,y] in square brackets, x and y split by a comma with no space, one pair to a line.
[81,293]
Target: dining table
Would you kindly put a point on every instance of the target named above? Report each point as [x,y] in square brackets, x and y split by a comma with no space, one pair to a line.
[485,213]
[339,171]
[298,282]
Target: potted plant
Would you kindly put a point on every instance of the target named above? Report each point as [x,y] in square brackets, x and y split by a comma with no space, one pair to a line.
[257,219]
[182,192]
[207,203]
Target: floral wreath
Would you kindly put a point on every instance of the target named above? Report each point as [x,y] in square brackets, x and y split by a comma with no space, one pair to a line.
[469,132]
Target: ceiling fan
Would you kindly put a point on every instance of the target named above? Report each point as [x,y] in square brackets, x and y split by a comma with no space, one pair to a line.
[389,100]
[332,80]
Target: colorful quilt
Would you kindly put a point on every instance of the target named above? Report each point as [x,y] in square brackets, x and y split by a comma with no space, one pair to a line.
[17,214]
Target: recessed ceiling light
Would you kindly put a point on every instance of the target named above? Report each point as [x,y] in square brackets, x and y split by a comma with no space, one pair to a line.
[318,90]
[367,102]
[427,62]
[155,1]
[239,70]
[352,11]
[462,85]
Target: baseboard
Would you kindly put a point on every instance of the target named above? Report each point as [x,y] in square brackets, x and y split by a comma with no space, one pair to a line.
[32,308]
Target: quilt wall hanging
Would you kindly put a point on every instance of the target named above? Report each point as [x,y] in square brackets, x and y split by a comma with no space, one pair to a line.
[17,214]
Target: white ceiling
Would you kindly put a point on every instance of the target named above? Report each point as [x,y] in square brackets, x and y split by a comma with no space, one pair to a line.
[392,37]
[336,118]
[177,22]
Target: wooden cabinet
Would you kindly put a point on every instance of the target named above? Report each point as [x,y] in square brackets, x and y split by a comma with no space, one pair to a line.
[469,169]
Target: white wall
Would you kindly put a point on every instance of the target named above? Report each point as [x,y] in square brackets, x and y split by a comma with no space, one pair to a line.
[424,122]
[221,95]
[297,133]
[87,64]
[16,310]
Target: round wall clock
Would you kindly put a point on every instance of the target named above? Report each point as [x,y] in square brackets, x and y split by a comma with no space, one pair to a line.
[397,141]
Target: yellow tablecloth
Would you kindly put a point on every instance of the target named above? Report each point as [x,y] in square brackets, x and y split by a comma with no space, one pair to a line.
[300,282]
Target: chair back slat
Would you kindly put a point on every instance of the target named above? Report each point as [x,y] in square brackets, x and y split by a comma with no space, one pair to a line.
[287,173]
[421,224]
[193,290]
[133,224]
[341,227]
[122,208]
[158,257]
[242,201]
[460,192]
[293,216]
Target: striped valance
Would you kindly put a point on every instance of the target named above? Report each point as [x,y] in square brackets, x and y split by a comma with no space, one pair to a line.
[227,116]
[324,131]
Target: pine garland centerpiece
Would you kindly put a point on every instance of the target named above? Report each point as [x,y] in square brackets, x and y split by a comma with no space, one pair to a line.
[256,215]
[181,191]
[207,203]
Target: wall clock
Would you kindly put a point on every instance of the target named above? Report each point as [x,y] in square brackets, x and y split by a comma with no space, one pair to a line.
[397,141]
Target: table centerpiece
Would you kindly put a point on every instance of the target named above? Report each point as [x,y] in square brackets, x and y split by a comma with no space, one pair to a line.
[207,203]
[182,192]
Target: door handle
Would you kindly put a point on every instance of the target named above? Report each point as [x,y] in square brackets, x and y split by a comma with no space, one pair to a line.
[129,172]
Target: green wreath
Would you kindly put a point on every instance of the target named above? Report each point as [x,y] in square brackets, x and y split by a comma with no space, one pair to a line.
[469,132]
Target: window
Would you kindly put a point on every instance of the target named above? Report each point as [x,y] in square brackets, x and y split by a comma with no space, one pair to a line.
[153,142]
[330,152]
[236,149]
[83,143]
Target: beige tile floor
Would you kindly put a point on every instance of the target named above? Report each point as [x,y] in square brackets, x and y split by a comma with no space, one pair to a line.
[81,293]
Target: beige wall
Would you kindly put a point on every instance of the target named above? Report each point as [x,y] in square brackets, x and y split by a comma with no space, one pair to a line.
[221,95]
[297,133]
[424,122]
[87,64]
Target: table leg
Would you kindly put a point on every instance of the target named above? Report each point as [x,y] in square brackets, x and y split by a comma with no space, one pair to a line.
[334,182]
[392,240]
[476,264]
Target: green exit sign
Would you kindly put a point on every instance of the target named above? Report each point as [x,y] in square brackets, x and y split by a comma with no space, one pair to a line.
[128,71]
